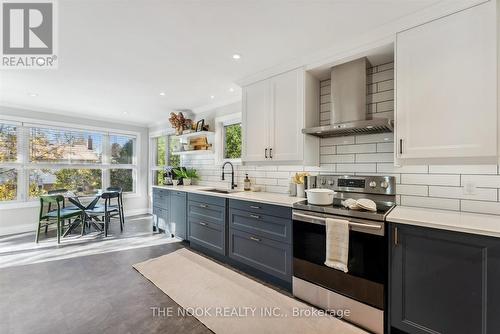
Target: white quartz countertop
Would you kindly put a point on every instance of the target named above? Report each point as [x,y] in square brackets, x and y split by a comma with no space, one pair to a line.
[261,197]
[481,224]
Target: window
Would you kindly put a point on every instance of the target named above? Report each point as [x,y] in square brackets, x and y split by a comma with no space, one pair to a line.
[232,141]
[162,156]
[8,184]
[59,158]
[8,143]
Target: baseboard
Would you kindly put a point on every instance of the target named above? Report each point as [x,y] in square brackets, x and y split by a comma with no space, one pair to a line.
[16,229]
[136,212]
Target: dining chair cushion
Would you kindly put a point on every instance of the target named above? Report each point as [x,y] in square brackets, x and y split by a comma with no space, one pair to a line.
[100,210]
[65,213]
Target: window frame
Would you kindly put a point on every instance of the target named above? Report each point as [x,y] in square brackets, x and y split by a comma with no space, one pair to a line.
[23,165]
[153,153]
[220,137]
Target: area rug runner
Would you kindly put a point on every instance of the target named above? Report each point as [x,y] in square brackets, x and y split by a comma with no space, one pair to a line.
[228,302]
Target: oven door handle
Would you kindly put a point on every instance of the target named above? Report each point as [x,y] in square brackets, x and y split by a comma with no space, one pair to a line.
[323,220]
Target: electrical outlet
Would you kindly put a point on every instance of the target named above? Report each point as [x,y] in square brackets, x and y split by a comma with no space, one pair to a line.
[469,188]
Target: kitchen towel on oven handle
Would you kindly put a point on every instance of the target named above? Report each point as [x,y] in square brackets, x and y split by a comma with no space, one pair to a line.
[337,244]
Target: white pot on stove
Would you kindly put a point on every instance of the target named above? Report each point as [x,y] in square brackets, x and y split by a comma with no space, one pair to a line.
[319,196]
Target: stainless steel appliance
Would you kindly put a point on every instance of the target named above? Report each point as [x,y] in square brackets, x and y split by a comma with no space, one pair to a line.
[362,290]
[348,110]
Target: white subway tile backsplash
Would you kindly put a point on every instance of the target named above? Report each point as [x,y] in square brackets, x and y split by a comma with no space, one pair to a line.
[324,116]
[405,189]
[375,138]
[492,208]
[387,95]
[385,85]
[325,83]
[485,181]
[430,202]
[482,194]
[434,179]
[463,169]
[381,76]
[375,157]
[325,90]
[385,106]
[327,150]
[277,175]
[390,168]
[340,158]
[358,148]
[386,147]
[264,181]
[356,168]
[336,141]
[325,107]
[324,99]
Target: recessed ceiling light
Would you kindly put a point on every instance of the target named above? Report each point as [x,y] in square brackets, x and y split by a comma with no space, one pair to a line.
[33,94]
[231,90]
[162,93]
[125,113]
[212,97]
[236,56]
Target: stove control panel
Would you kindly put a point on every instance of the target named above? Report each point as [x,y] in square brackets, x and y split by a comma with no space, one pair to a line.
[385,185]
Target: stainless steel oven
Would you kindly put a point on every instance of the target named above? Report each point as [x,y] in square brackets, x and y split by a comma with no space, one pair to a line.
[360,291]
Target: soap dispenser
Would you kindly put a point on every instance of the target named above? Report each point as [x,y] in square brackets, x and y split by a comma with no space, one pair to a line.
[247,184]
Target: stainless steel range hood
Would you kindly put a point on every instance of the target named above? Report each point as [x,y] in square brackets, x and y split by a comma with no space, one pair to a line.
[348,104]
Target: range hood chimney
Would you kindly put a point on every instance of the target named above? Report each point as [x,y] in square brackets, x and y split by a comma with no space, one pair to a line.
[348,114]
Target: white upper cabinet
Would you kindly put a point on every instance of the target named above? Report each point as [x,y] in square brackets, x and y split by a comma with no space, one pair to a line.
[446,89]
[255,121]
[274,112]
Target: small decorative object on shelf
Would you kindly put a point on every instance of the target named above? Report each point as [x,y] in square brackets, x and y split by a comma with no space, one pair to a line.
[298,180]
[180,123]
[199,125]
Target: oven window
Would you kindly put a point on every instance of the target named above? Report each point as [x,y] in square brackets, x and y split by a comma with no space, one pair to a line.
[367,252]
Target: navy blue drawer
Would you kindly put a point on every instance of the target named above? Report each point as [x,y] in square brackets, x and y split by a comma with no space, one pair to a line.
[269,256]
[206,199]
[207,234]
[204,211]
[279,229]
[160,198]
[267,209]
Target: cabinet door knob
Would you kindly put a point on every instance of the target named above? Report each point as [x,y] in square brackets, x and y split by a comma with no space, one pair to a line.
[271,153]
[265,153]
[254,239]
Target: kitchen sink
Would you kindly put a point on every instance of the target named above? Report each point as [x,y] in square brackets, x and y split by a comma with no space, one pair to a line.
[221,191]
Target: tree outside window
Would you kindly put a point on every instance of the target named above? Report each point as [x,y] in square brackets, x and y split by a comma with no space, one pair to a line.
[232,141]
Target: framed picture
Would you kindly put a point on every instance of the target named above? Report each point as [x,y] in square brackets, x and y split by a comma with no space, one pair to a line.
[199,125]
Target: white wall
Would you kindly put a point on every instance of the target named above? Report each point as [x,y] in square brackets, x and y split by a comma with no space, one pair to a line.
[16,219]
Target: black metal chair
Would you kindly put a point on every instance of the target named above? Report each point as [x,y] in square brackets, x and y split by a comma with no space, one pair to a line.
[64,206]
[107,211]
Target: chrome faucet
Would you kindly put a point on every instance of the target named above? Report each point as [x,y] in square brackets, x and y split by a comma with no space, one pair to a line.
[233,185]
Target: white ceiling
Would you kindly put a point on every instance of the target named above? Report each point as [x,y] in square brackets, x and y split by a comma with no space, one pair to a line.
[115,57]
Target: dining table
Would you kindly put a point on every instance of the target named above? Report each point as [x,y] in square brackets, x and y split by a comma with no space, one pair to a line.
[84,200]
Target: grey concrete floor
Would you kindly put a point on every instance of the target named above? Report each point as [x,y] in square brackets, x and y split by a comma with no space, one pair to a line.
[99,293]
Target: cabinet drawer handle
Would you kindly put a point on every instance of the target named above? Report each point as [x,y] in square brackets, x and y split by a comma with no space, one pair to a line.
[265,153]
[396,237]
[254,207]
[255,239]
[203,206]
[401,146]
[271,153]
[202,224]
[255,216]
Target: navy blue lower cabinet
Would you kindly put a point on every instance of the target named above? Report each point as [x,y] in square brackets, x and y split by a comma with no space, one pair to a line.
[260,238]
[207,223]
[443,282]
[267,255]
[178,214]
[161,210]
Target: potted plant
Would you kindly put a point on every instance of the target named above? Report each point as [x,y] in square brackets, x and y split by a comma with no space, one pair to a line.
[187,175]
